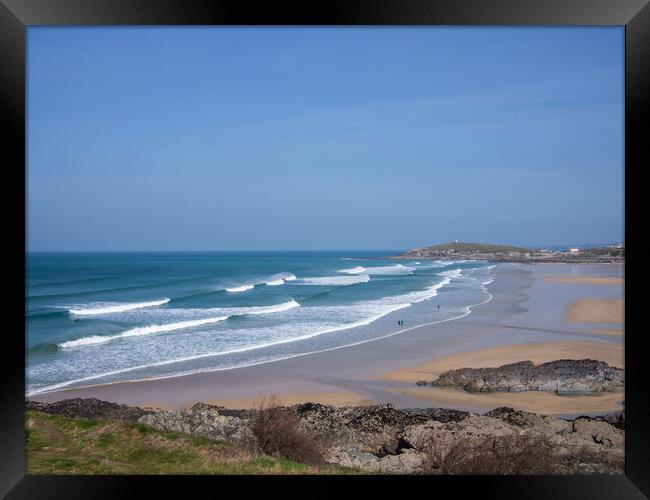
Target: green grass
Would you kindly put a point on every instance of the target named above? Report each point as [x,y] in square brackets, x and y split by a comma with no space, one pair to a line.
[62,445]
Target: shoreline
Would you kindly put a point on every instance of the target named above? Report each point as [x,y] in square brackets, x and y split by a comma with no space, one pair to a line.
[166,377]
[356,374]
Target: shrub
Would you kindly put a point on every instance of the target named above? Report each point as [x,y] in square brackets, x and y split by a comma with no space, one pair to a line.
[278,433]
[510,454]
[599,458]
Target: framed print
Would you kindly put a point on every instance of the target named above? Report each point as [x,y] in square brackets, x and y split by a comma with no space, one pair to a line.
[366,243]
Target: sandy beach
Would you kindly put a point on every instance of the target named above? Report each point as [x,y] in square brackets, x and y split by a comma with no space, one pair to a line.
[575,315]
[596,311]
[584,280]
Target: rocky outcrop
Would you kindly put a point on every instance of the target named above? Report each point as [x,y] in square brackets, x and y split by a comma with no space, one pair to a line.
[585,445]
[203,420]
[385,440]
[409,461]
[580,446]
[369,428]
[564,377]
[91,408]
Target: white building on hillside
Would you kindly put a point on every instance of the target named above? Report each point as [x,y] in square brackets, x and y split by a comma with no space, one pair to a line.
[574,249]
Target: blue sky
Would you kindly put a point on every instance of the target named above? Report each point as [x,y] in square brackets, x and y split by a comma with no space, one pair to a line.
[330,138]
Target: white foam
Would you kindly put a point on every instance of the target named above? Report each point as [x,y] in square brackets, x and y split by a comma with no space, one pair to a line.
[452,273]
[354,270]
[397,269]
[426,294]
[178,325]
[335,280]
[107,308]
[143,330]
[241,288]
[332,329]
[432,264]
[324,329]
[280,279]
[285,306]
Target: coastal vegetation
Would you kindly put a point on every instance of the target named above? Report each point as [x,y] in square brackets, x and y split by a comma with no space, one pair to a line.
[278,433]
[58,444]
[460,246]
[311,438]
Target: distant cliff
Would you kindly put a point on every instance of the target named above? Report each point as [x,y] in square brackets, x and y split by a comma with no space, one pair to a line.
[506,253]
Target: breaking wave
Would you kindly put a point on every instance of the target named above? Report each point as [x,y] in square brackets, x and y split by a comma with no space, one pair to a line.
[331,329]
[335,280]
[280,279]
[390,270]
[354,270]
[382,270]
[178,325]
[242,288]
[108,308]
[426,294]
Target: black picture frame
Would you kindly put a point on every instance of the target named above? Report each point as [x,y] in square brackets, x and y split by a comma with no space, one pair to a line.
[16,15]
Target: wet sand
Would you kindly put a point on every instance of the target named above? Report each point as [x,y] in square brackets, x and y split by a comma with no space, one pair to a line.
[584,280]
[537,402]
[607,331]
[538,353]
[525,310]
[341,398]
[596,311]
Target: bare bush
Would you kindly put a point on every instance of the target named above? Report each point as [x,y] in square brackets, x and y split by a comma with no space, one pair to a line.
[278,433]
[510,454]
[599,458]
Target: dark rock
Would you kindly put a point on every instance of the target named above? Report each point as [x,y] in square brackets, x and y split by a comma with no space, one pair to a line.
[403,444]
[615,419]
[518,418]
[92,408]
[371,418]
[443,415]
[422,382]
[222,410]
[564,377]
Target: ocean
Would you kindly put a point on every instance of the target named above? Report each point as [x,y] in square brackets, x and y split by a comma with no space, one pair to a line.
[94,318]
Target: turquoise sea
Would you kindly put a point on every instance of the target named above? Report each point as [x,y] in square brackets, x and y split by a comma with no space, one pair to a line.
[94,318]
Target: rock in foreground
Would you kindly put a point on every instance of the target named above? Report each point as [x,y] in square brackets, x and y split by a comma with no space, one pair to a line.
[563,377]
[91,408]
[385,440]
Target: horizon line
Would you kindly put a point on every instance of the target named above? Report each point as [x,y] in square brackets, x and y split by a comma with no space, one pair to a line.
[307,250]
